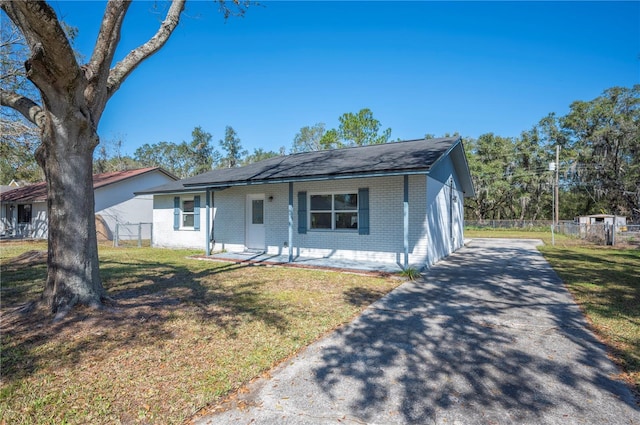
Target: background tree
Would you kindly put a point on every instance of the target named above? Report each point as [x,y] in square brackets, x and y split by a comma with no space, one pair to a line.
[361,129]
[232,148]
[259,154]
[17,147]
[358,129]
[183,159]
[604,136]
[73,99]
[309,138]
[108,157]
[18,137]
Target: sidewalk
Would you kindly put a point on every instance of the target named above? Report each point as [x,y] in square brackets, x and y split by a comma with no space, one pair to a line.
[489,336]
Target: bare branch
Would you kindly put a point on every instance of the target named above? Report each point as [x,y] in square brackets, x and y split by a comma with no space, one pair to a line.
[122,70]
[27,107]
[97,70]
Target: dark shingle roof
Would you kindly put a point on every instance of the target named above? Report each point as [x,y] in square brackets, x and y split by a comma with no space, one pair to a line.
[413,156]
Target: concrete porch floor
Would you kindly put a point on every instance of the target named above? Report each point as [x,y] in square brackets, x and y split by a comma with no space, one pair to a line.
[323,263]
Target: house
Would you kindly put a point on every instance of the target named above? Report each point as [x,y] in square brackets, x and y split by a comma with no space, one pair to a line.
[397,203]
[23,210]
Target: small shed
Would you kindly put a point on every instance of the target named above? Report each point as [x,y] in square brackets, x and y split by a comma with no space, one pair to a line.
[603,219]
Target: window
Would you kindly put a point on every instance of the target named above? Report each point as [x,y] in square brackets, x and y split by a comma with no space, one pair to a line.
[257,211]
[187,213]
[337,211]
[24,213]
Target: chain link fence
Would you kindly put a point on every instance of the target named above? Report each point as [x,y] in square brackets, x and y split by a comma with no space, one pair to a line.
[133,234]
[508,224]
[598,233]
[603,233]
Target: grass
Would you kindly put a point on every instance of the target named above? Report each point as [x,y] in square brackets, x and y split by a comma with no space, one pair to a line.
[180,334]
[605,282]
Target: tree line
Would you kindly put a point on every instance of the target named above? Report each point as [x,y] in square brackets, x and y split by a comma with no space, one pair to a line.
[199,155]
[599,164]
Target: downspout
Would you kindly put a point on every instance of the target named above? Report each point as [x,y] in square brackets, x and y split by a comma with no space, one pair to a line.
[212,238]
[406,221]
[208,221]
[290,222]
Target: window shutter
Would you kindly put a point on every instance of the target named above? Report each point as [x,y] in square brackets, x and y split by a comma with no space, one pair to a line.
[302,212]
[176,213]
[363,211]
[196,212]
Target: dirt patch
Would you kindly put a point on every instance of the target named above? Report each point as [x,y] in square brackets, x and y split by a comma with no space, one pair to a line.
[29,258]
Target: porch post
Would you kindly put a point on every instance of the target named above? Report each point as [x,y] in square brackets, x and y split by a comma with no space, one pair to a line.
[290,222]
[14,220]
[207,230]
[406,221]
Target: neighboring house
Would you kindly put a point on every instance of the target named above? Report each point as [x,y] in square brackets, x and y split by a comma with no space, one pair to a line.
[23,211]
[398,203]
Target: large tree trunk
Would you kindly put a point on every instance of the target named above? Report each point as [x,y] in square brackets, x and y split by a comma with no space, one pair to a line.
[73,100]
[66,156]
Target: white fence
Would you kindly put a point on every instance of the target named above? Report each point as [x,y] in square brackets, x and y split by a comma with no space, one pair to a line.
[133,234]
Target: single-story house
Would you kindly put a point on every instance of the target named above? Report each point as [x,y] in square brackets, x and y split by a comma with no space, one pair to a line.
[23,211]
[399,203]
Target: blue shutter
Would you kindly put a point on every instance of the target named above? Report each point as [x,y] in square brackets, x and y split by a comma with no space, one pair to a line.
[176,213]
[363,211]
[302,212]
[196,212]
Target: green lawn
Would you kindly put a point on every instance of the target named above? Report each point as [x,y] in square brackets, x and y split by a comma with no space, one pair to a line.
[605,282]
[181,333]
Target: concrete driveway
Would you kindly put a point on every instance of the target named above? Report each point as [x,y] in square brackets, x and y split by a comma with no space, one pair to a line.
[489,336]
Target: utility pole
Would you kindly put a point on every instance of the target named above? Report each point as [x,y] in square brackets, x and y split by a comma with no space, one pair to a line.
[557,203]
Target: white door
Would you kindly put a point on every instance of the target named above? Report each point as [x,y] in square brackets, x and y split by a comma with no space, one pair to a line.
[255,222]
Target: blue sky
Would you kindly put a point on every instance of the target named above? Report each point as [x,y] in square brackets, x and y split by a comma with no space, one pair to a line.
[421,67]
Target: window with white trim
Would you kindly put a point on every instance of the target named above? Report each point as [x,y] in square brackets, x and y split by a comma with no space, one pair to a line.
[188,208]
[186,213]
[333,211]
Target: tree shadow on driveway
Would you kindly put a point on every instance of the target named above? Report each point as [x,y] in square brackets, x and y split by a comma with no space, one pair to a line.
[488,336]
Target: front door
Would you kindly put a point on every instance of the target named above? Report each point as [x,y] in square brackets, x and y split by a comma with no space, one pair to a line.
[255,222]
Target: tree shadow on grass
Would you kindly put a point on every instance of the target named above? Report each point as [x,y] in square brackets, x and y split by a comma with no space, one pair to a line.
[481,337]
[145,299]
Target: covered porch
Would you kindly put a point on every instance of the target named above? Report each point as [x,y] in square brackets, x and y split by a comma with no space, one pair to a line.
[264,259]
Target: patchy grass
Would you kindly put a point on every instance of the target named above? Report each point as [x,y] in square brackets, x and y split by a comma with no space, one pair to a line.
[605,282]
[180,334]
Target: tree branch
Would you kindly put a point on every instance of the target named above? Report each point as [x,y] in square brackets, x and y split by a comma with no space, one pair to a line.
[97,70]
[122,70]
[27,107]
[39,24]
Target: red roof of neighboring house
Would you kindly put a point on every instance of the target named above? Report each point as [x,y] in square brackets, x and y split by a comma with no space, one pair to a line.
[38,191]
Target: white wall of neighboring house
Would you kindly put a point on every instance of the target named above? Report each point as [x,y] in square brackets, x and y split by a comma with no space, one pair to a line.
[115,203]
[36,229]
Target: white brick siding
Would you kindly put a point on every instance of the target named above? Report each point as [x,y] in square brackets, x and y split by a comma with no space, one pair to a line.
[429,217]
